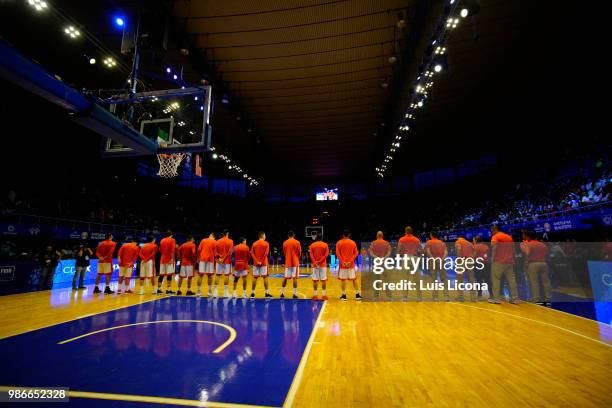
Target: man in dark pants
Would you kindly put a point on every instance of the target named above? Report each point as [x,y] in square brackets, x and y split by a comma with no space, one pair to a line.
[83,254]
[49,259]
[482,250]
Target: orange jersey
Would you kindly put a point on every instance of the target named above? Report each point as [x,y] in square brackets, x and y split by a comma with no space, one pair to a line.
[206,250]
[464,248]
[346,251]
[167,248]
[148,251]
[504,248]
[380,248]
[408,245]
[187,253]
[292,250]
[223,250]
[536,251]
[481,250]
[105,251]
[436,247]
[319,251]
[128,253]
[260,251]
[242,254]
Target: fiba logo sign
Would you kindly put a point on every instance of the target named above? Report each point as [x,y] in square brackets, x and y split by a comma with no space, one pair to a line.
[606,279]
[607,220]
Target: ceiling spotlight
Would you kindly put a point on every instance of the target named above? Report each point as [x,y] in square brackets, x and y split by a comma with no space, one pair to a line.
[92,61]
[119,21]
[469,8]
[439,63]
[440,50]
[168,70]
[72,32]
[225,100]
[392,59]
[38,5]
[214,155]
[109,62]
[175,77]
[452,22]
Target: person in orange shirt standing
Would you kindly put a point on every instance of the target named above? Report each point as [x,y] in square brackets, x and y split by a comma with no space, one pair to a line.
[127,255]
[242,254]
[147,264]
[380,248]
[167,263]
[536,253]
[410,246]
[346,251]
[436,250]
[104,252]
[206,256]
[292,251]
[187,255]
[503,265]
[223,254]
[482,251]
[259,252]
[319,251]
[464,249]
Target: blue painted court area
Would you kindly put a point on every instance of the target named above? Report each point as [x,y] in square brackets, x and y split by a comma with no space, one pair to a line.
[191,355]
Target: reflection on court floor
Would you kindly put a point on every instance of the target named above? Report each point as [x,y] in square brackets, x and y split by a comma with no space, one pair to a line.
[230,351]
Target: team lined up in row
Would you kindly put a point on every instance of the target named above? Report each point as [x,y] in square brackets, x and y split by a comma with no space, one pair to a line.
[213,259]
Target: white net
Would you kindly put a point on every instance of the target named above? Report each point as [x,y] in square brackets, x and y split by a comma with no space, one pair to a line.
[169,164]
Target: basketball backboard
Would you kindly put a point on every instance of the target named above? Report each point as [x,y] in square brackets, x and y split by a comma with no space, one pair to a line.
[313,230]
[175,120]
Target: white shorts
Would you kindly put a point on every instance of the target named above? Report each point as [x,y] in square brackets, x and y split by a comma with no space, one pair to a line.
[146,269]
[291,272]
[166,269]
[239,274]
[260,271]
[224,269]
[319,274]
[207,268]
[126,271]
[105,268]
[347,274]
[186,271]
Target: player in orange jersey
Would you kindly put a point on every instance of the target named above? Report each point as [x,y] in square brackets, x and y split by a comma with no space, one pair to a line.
[436,249]
[502,251]
[410,246]
[147,264]
[242,254]
[465,249]
[319,251]
[167,262]
[260,250]
[104,252]
[346,251]
[380,248]
[223,254]
[187,255]
[292,251]
[206,257]
[127,256]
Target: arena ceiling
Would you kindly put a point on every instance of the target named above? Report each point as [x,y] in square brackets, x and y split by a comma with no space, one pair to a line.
[312,92]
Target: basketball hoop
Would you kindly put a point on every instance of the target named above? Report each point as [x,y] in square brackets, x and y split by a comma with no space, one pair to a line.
[169,163]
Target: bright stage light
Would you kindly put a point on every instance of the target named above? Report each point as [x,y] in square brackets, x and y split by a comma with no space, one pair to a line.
[119,21]
[92,61]
[38,5]
[72,32]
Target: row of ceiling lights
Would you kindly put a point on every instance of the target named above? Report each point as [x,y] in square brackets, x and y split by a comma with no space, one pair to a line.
[434,62]
[232,166]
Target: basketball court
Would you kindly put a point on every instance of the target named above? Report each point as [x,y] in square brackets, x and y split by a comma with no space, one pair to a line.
[182,133]
[240,352]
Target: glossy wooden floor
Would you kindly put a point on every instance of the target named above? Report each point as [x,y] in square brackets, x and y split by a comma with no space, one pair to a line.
[410,354]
